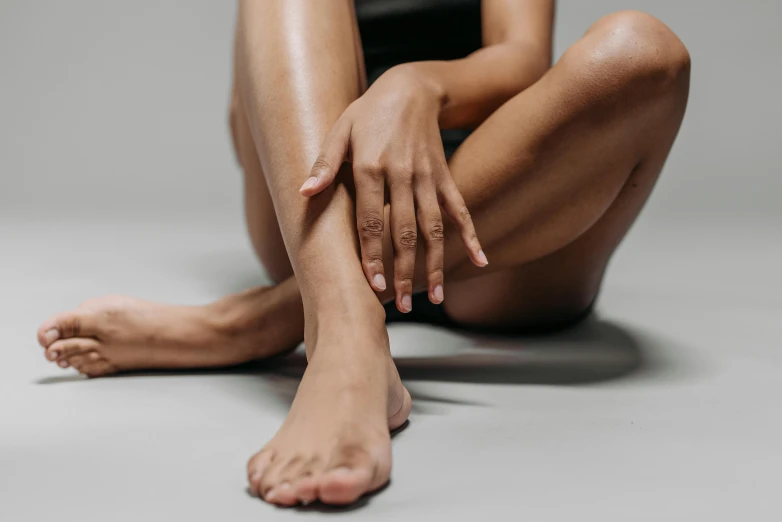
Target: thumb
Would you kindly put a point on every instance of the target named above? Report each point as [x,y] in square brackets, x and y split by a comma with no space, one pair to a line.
[330,159]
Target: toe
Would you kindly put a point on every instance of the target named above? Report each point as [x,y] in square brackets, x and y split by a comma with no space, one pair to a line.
[344,485]
[77,362]
[97,368]
[256,469]
[67,348]
[283,495]
[77,323]
[306,489]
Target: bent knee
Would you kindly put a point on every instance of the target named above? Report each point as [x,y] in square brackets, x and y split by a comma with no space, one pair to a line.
[633,53]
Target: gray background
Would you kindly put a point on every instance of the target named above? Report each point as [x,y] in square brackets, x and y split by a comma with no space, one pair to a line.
[117,176]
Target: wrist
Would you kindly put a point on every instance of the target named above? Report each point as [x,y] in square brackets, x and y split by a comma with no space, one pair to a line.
[424,78]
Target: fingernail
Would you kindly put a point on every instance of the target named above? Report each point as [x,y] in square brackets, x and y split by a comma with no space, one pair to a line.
[55,354]
[63,364]
[271,496]
[256,475]
[407,303]
[380,281]
[438,293]
[284,485]
[309,183]
[482,258]
[51,335]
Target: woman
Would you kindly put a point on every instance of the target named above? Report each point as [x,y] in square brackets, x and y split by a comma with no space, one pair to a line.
[346,188]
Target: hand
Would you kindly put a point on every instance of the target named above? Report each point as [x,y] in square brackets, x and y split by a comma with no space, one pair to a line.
[391,136]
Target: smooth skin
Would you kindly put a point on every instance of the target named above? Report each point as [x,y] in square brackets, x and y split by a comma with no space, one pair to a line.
[561,161]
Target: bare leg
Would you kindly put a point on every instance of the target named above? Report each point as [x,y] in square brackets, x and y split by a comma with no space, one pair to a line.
[554,178]
[559,171]
[334,445]
[583,149]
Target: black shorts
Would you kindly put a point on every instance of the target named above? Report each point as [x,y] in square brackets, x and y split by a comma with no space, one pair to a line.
[400,31]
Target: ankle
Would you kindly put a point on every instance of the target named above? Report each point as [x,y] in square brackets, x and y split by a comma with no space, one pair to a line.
[347,320]
[267,311]
[341,295]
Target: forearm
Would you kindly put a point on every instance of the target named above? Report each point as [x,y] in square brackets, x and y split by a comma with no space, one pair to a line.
[472,88]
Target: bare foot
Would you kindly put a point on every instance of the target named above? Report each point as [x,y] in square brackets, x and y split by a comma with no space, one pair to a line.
[335,445]
[116,333]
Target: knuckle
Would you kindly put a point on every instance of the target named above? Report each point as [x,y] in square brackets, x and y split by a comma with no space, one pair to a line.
[403,281]
[402,173]
[402,166]
[371,227]
[464,214]
[373,260]
[407,237]
[371,169]
[436,275]
[321,163]
[436,233]
[425,170]
[403,179]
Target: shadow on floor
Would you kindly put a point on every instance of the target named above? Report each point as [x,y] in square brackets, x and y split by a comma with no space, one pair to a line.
[592,352]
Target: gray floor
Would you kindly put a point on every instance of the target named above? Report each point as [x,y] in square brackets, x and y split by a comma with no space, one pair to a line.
[116,176]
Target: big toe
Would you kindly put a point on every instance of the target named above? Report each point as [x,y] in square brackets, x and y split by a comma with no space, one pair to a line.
[77,323]
[344,485]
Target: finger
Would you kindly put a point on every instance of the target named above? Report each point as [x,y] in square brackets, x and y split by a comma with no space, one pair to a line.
[330,159]
[452,202]
[430,223]
[405,236]
[370,200]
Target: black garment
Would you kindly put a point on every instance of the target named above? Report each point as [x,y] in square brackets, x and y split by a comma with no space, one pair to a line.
[399,31]
[426,312]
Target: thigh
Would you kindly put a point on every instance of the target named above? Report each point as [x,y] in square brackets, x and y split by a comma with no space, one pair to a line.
[610,149]
[558,288]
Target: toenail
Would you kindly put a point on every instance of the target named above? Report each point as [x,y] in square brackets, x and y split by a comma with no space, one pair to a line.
[51,335]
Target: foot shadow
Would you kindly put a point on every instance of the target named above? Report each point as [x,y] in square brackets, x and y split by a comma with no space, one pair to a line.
[319,507]
[59,379]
